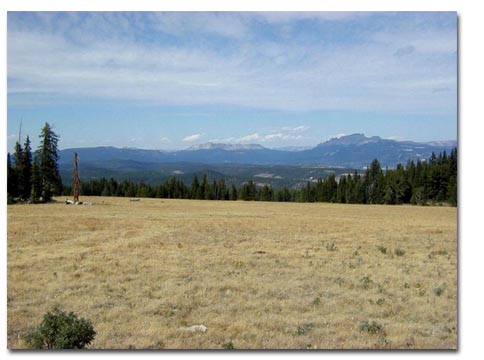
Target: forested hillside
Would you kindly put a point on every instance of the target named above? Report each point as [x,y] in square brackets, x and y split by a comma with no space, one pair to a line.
[425,182]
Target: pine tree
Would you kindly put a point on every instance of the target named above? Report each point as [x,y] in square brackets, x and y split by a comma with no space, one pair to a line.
[195,188]
[266,193]
[452,185]
[49,172]
[374,183]
[341,192]
[222,190]
[331,188]
[233,193]
[36,181]
[203,188]
[211,192]
[25,178]
[12,182]
[18,169]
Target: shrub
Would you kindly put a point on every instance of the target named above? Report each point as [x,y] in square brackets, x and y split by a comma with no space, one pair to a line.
[371,327]
[382,249]
[316,301]
[304,328]
[439,290]
[366,282]
[399,252]
[380,301]
[331,247]
[60,330]
[228,346]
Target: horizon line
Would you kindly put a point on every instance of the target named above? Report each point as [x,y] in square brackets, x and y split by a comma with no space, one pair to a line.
[257,144]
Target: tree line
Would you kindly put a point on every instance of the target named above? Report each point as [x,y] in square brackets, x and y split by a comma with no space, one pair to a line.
[421,183]
[34,177]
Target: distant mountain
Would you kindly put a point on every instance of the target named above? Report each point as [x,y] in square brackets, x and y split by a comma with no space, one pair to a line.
[443,143]
[351,151]
[358,151]
[354,139]
[293,148]
[226,147]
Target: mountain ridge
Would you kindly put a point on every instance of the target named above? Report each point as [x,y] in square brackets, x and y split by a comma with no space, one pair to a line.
[224,146]
[355,151]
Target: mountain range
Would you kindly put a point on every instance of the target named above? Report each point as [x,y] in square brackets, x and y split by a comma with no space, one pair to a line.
[237,163]
[351,151]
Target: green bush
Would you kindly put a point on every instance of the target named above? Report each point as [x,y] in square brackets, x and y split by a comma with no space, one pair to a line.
[366,282]
[228,346]
[60,330]
[439,290]
[382,249]
[371,327]
[304,328]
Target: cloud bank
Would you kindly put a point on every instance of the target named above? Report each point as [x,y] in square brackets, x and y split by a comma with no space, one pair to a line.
[282,61]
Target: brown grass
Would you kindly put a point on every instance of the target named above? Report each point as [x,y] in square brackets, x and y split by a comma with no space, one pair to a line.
[262,275]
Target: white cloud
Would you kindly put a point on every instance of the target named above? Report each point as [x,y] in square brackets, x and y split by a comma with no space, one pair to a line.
[300,128]
[225,24]
[191,138]
[250,137]
[280,136]
[288,16]
[285,75]
[396,137]
[267,137]
[230,139]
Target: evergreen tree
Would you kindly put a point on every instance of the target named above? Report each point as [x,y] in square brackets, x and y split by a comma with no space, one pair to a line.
[390,191]
[284,195]
[452,175]
[48,155]
[341,190]
[130,189]
[195,188]
[374,183]
[360,190]
[248,191]
[203,188]
[25,177]
[222,193]
[266,193]
[172,188]
[233,193]
[211,193]
[36,181]
[12,180]
[330,188]
[18,169]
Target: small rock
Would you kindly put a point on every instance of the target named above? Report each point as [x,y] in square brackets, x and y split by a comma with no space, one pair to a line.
[197,328]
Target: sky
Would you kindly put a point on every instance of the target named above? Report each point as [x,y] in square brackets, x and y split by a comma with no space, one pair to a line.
[171,80]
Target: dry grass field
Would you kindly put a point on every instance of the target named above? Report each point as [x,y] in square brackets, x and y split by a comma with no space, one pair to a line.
[257,275]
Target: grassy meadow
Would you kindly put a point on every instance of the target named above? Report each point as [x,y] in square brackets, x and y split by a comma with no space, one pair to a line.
[257,275]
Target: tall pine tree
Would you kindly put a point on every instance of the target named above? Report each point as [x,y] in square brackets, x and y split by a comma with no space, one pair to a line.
[48,156]
[12,182]
[18,169]
[25,177]
[36,181]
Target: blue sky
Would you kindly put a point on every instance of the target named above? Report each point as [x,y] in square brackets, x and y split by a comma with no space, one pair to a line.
[172,80]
